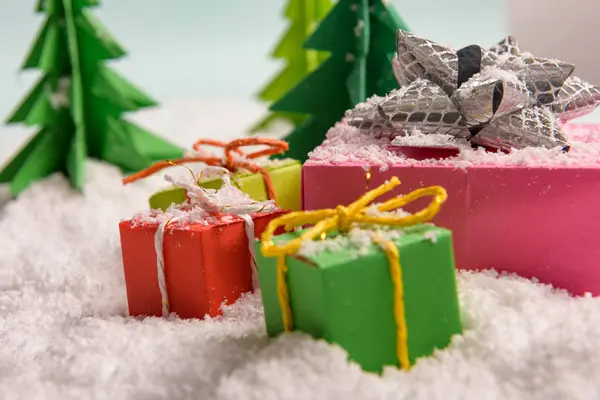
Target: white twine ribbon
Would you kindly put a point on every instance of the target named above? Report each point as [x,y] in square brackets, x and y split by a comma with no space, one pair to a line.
[160,264]
[249,226]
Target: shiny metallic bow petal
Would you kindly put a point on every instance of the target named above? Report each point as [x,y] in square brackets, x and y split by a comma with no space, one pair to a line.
[535,127]
[419,58]
[366,116]
[421,105]
[398,71]
[508,45]
[424,59]
[484,97]
[575,98]
[502,97]
[544,77]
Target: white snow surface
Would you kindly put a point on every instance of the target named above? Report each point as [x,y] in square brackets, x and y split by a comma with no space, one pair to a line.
[347,144]
[64,333]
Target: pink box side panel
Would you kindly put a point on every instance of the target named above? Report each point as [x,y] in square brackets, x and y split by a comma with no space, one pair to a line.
[537,222]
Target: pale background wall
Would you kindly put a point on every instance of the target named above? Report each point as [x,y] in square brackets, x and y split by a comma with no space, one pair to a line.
[204,49]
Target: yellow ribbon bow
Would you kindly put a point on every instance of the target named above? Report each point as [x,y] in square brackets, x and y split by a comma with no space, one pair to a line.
[341,219]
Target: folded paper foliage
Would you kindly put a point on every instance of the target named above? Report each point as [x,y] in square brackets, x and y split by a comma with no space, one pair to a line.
[78,102]
[303,16]
[360,35]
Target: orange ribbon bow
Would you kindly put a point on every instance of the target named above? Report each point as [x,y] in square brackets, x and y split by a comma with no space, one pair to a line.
[275,147]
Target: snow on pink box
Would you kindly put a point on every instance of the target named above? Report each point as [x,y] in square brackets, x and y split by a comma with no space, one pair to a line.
[533,212]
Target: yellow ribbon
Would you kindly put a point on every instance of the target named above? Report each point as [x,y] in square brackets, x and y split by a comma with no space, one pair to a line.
[341,219]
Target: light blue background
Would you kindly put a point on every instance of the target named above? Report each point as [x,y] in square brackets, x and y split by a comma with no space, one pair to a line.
[205,49]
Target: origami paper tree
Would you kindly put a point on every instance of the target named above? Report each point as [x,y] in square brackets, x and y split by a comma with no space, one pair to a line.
[78,103]
[361,36]
[303,15]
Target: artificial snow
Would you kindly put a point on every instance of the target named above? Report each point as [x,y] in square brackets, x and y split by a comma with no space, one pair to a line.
[373,210]
[60,98]
[356,242]
[347,144]
[64,333]
[431,235]
[418,138]
[270,162]
[493,72]
[515,63]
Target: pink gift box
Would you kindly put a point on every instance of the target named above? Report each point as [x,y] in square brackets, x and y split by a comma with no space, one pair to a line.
[534,220]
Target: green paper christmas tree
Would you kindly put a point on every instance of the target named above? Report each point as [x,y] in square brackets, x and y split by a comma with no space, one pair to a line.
[78,103]
[361,37]
[299,62]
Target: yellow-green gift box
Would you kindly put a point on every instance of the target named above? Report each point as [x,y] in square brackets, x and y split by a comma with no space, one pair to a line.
[285,177]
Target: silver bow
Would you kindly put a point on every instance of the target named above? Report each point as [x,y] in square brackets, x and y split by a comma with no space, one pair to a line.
[499,98]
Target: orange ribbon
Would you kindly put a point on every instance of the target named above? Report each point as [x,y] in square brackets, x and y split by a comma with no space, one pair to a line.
[275,147]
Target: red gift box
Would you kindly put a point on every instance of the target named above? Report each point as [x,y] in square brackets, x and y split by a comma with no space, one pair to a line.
[206,264]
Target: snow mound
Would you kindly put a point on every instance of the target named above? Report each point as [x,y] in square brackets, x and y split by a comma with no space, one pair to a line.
[346,144]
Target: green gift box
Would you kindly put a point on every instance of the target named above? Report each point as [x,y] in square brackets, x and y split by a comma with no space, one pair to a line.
[348,298]
[285,177]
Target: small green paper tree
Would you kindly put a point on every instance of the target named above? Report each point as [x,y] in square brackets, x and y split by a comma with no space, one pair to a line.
[303,16]
[361,36]
[78,102]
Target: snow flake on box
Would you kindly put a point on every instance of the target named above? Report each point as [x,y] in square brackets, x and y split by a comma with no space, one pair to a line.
[498,98]
[348,146]
[357,241]
[60,97]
